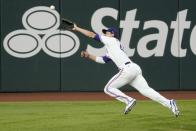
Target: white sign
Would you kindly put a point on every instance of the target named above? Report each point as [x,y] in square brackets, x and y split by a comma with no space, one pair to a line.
[43,21]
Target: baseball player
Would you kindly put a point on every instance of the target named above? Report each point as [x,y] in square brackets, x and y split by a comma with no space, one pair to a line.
[129,72]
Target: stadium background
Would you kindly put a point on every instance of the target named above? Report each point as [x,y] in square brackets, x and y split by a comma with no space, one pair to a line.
[45,73]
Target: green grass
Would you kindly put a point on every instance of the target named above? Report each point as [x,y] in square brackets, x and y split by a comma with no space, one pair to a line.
[95,116]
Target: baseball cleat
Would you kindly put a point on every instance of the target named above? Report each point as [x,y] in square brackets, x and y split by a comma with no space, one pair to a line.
[174,108]
[129,106]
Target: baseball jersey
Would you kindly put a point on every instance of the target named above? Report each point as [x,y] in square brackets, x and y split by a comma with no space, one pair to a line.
[114,50]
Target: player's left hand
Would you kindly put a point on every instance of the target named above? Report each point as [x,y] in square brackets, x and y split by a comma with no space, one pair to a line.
[74,27]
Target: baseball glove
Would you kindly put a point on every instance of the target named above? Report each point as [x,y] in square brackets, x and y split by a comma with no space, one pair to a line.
[66,24]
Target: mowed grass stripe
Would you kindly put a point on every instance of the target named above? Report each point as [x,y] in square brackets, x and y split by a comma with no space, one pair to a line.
[95,116]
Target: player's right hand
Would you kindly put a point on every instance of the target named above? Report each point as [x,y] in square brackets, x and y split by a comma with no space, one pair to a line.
[84,54]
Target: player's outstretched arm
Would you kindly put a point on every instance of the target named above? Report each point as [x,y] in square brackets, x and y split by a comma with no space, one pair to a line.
[84,31]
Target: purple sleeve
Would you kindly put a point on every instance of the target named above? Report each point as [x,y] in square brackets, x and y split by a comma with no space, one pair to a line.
[106,59]
[97,38]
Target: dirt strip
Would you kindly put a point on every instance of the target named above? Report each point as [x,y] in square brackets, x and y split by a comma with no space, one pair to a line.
[86,96]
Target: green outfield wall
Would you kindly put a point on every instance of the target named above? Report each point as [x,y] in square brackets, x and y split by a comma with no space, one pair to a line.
[159,35]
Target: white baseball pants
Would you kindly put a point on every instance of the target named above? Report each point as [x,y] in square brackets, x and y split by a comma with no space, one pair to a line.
[131,74]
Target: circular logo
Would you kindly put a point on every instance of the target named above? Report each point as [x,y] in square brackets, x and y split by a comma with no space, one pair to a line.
[22,43]
[41,19]
[60,44]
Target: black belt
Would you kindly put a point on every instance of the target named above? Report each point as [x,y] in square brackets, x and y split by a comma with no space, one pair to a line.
[127,63]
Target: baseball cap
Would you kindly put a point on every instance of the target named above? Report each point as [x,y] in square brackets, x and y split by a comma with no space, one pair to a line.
[112,30]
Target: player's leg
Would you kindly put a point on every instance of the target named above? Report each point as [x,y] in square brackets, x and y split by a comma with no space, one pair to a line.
[142,86]
[112,88]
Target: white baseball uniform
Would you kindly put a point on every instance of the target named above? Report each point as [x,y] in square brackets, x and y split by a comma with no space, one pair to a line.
[129,73]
